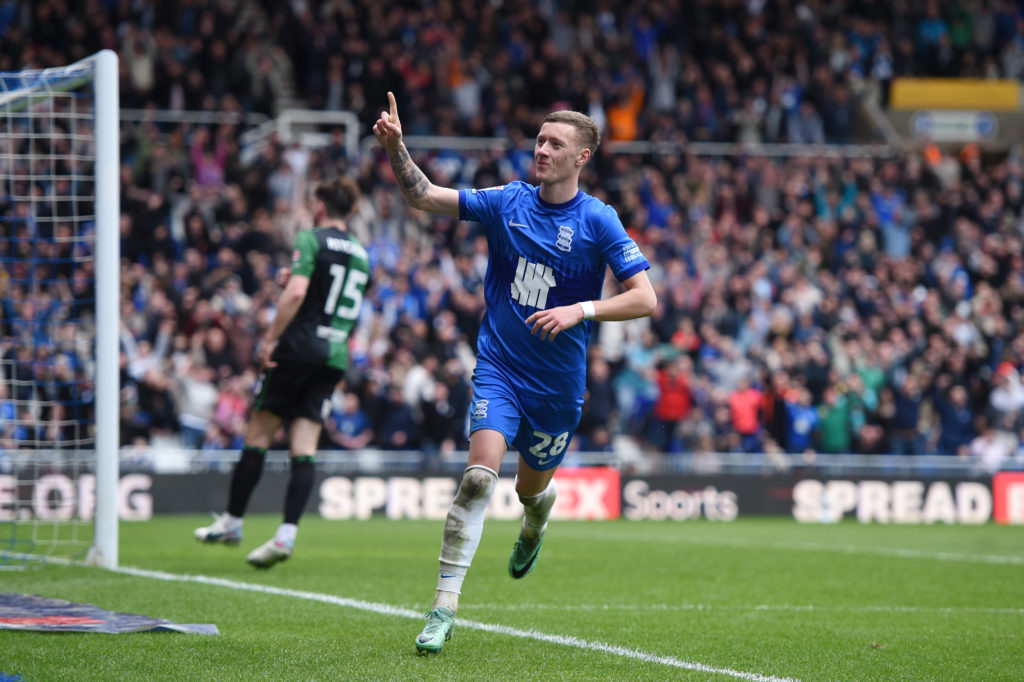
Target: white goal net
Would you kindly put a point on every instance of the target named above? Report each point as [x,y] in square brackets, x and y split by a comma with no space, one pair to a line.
[59,300]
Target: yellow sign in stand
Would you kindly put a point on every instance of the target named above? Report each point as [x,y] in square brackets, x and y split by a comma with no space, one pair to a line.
[955,93]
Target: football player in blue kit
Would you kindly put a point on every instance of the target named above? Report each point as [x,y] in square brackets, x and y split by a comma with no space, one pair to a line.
[548,249]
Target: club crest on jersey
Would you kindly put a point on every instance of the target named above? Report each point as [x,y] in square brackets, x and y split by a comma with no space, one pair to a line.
[564,238]
[480,409]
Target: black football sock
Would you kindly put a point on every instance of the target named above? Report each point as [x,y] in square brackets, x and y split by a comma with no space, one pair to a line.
[300,485]
[244,479]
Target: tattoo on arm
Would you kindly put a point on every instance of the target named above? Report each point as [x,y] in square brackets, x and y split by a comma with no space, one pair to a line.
[411,179]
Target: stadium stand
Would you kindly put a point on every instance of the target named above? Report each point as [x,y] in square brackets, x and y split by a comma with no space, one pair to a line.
[807,304]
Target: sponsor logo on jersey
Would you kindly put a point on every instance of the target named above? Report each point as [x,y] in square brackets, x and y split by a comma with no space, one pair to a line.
[532,283]
[331,334]
[564,238]
[512,223]
[480,409]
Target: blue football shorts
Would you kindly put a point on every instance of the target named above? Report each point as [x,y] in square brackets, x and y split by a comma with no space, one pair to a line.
[539,429]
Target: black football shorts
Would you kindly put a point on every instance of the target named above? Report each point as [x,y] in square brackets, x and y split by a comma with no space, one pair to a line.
[296,390]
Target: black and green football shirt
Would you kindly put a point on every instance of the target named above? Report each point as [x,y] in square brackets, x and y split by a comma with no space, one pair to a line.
[338,269]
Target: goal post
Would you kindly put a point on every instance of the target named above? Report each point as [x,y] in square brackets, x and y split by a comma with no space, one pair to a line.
[108,297]
[60,290]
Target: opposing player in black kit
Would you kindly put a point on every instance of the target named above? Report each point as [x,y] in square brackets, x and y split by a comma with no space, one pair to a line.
[303,356]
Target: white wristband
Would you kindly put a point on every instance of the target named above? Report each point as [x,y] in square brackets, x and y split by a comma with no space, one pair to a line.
[588,310]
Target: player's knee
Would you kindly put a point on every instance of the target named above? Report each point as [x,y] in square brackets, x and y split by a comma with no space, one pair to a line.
[550,491]
[477,484]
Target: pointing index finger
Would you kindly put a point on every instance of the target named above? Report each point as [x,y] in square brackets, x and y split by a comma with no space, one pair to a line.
[393,103]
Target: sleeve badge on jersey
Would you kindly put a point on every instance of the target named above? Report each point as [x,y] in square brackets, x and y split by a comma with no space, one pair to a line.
[296,254]
[630,252]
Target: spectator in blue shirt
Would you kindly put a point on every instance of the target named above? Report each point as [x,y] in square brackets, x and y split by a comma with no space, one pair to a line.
[350,427]
[905,439]
[956,420]
[802,423]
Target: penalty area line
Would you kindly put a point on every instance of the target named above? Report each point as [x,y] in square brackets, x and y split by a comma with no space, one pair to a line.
[389,610]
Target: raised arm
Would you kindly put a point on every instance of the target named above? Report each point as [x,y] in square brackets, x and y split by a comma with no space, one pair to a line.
[416,188]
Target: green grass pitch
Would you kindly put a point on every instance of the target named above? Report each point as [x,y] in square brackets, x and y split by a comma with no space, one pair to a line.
[755,599]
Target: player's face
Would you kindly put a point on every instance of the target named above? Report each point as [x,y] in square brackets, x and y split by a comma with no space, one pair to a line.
[557,154]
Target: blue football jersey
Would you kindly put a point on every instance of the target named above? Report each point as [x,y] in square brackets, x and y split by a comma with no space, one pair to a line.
[541,256]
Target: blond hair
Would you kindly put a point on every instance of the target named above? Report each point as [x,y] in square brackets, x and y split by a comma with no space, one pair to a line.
[587,133]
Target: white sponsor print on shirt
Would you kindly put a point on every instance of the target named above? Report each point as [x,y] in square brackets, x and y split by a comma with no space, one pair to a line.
[532,283]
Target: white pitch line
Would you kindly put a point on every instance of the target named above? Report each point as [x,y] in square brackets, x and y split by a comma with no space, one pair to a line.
[816,547]
[754,607]
[389,610]
[911,553]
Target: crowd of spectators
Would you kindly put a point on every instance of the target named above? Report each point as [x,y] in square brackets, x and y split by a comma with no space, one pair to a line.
[746,70]
[828,304]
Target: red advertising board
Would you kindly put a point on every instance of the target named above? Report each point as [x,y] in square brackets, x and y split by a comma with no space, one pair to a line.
[1008,497]
[589,493]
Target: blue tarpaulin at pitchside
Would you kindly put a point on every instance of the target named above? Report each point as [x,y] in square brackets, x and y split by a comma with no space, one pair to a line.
[33,612]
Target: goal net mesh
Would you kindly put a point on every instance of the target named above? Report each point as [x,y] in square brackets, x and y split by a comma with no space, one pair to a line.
[48,313]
